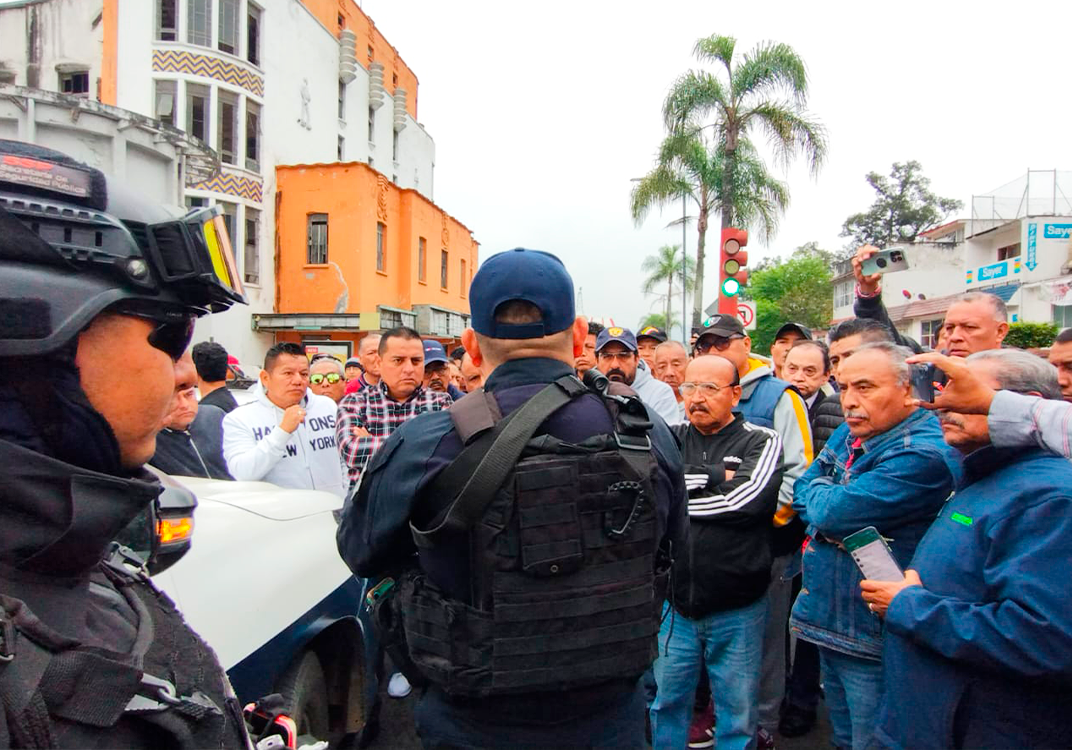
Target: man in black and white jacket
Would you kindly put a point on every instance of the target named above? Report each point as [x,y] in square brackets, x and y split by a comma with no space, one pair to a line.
[733,471]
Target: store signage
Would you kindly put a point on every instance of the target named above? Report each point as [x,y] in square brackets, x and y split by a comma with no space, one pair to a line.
[993,271]
[1032,242]
[1057,231]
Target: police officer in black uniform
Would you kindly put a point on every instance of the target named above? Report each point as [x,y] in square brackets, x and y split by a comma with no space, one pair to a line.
[98,296]
[537,512]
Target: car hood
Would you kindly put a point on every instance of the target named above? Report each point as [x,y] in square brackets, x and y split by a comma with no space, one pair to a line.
[262,498]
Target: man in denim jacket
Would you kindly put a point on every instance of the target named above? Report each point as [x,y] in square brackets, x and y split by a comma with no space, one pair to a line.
[886,467]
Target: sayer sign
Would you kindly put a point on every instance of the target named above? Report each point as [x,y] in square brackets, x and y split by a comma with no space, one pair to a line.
[746,311]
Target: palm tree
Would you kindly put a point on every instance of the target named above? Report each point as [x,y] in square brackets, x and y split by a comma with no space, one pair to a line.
[693,166]
[655,319]
[765,90]
[665,268]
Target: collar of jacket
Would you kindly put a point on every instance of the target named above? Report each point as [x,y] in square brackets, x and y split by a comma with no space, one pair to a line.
[382,386]
[985,461]
[528,371]
[58,519]
[895,433]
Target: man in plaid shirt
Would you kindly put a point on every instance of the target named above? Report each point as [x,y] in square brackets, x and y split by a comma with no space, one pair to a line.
[367,418]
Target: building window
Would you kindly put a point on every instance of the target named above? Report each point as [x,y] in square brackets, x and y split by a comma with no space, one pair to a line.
[253,136]
[251,259]
[422,260]
[7,76]
[444,261]
[342,100]
[1009,251]
[194,201]
[462,278]
[394,147]
[394,79]
[317,225]
[929,330]
[370,53]
[371,124]
[197,98]
[75,82]
[199,22]
[843,295]
[167,27]
[1062,316]
[341,20]
[227,128]
[253,34]
[228,16]
[381,247]
[342,148]
[230,214]
[164,99]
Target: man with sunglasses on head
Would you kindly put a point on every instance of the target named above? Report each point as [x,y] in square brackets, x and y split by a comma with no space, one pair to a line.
[286,436]
[326,377]
[769,402]
[90,277]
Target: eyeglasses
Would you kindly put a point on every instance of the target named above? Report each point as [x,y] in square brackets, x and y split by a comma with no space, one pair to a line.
[704,389]
[320,377]
[719,343]
[621,356]
[172,334]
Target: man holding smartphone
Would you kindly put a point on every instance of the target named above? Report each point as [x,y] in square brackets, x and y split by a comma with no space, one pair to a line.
[886,467]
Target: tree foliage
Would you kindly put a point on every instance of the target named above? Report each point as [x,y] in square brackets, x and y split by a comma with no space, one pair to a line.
[709,156]
[658,320]
[795,290]
[662,272]
[905,207]
[1031,335]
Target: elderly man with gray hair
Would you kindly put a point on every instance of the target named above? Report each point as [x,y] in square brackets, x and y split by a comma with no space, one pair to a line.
[887,469]
[983,618]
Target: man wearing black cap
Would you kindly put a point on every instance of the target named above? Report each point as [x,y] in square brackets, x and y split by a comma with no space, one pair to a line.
[647,339]
[784,338]
[769,402]
[618,359]
[532,613]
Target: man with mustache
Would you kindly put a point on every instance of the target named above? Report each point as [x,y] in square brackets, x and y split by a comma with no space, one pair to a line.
[617,358]
[886,467]
[367,418]
[983,618]
[733,470]
[437,376]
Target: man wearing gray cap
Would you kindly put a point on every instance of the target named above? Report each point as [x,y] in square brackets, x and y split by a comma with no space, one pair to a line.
[531,614]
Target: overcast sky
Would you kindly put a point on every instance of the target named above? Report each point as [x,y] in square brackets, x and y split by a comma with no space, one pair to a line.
[542,112]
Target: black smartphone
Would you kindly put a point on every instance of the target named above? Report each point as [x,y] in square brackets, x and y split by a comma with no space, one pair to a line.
[923,382]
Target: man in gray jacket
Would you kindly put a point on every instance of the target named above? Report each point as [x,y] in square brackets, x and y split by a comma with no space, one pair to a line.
[617,358]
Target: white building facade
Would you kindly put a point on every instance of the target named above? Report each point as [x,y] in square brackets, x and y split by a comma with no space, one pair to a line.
[259,83]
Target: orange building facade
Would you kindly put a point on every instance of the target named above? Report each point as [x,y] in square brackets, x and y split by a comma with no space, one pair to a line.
[356,253]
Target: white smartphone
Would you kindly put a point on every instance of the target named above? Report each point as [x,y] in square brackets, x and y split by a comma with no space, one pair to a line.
[885,261]
[872,555]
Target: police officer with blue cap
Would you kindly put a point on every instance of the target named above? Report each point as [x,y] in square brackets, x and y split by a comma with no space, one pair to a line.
[523,534]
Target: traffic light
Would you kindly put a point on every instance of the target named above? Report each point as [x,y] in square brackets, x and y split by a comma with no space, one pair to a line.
[732,272]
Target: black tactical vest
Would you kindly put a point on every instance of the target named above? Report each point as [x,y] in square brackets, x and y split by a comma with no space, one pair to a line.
[169,692]
[562,558]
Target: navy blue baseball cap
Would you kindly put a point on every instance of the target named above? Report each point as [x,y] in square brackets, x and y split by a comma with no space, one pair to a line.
[623,336]
[528,275]
[434,352]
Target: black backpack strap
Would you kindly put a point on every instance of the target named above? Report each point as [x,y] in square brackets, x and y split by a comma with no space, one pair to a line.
[488,460]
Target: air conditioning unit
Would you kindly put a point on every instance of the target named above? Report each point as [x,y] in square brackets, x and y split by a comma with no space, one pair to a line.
[347,56]
[376,92]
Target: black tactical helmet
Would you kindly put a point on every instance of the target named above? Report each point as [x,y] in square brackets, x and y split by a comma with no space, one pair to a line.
[72,245]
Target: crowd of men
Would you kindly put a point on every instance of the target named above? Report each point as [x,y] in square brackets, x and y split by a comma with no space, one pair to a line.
[783,458]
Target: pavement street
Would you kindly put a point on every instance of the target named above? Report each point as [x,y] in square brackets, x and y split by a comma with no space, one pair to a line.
[397,731]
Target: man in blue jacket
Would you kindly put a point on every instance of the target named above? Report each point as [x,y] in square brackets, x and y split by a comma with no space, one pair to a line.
[983,620]
[886,467]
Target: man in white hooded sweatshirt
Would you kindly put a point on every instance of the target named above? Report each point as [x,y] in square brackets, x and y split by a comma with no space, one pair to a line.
[617,358]
[286,436]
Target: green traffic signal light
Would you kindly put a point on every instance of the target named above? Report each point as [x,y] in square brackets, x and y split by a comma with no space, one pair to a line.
[730,287]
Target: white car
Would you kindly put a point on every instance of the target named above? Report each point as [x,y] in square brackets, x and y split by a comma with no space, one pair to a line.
[264,585]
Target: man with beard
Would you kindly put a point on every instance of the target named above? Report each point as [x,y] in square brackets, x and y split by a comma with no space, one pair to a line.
[616,354]
[982,618]
[437,371]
